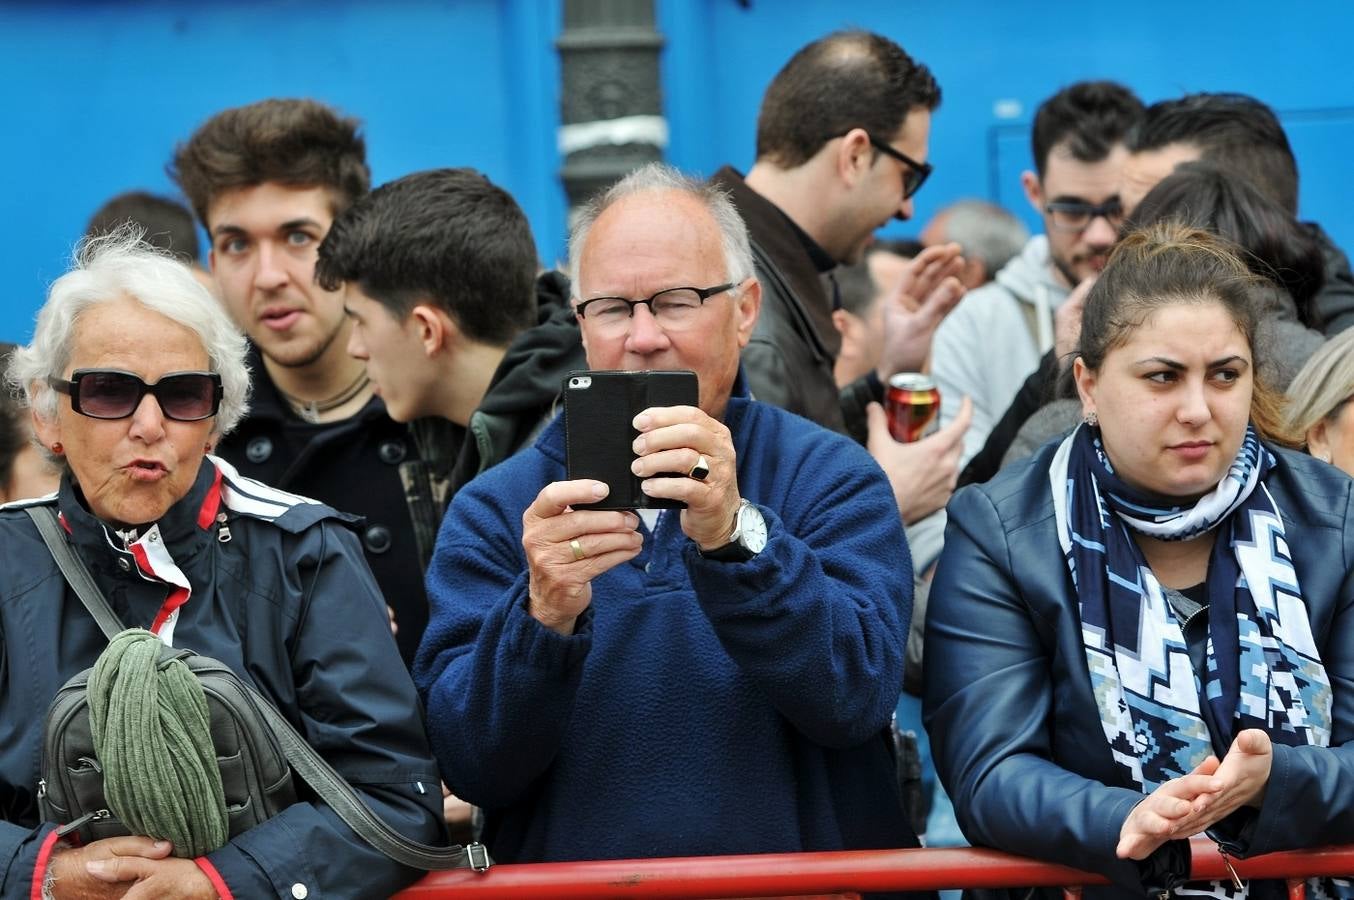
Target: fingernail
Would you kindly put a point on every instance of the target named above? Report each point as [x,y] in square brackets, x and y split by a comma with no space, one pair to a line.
[641,421]
[631,520]
[639,444]
[599,489]
[634,467]
[96,867]
[163,845]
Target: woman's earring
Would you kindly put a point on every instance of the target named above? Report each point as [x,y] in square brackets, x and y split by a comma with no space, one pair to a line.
[1092,419]
[1323,456]
[58,449]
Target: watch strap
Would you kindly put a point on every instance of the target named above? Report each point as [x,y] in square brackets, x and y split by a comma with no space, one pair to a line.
[735,550]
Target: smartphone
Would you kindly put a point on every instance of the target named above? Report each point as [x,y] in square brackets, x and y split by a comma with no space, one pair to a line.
[599,408]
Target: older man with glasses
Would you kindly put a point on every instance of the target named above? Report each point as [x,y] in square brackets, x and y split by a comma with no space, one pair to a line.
[707,680]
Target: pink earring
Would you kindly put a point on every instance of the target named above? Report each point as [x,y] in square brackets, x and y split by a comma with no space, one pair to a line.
[58,449]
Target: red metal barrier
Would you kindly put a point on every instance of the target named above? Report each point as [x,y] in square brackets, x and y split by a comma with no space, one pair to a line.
[801,874]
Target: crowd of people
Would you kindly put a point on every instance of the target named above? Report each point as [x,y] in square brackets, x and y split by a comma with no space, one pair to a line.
[333,459]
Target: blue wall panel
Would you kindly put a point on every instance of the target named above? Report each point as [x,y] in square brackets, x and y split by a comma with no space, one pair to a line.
[996,61]
[93,95]
[97,94]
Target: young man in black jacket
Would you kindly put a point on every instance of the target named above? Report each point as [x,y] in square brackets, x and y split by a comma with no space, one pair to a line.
[438,272]
[266,180]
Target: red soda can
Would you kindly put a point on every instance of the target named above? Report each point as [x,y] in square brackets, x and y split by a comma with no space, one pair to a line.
[912,403]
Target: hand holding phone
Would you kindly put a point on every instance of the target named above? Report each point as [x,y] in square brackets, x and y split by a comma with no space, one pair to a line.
[567,547]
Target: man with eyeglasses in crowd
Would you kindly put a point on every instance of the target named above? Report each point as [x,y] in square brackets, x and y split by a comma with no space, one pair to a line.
[995,338]
[842,140]
[709,680]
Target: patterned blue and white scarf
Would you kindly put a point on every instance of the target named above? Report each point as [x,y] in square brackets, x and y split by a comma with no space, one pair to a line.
[1263,668]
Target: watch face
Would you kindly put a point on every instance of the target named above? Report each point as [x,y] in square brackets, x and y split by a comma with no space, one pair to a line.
[752,528]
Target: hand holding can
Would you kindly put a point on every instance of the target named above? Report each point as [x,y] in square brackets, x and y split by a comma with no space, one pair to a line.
[911,403]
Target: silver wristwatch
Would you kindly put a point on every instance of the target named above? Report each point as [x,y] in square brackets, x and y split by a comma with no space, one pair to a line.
[748,538]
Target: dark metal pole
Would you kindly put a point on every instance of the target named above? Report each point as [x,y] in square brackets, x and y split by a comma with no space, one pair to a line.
[611,101]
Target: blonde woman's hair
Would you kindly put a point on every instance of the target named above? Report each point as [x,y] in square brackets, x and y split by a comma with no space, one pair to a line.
[1321,388]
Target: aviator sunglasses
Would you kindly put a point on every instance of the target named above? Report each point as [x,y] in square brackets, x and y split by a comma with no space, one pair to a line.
[114,394]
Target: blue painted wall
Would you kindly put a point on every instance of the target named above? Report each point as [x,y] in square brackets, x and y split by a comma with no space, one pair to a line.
[95,94]
[988,53]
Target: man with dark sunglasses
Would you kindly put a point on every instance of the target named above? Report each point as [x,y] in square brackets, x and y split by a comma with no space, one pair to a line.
[841,149]
[994,340]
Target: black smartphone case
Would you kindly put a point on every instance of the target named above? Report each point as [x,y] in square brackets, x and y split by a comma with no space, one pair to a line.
[598,410]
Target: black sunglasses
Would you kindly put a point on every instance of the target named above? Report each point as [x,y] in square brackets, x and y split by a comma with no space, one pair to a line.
[114,394]
[915,173]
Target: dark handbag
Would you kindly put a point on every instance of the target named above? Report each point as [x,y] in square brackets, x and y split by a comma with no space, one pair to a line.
[254,770]
[257,749]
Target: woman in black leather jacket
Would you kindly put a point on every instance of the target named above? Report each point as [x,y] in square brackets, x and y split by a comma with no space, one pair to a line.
[1144,633]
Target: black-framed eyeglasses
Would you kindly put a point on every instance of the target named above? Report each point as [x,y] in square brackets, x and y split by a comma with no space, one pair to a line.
[673,308]
[1076,215]
[914,173]
[115,394]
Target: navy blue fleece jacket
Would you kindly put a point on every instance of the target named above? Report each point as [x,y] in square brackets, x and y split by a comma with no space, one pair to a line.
[700,707]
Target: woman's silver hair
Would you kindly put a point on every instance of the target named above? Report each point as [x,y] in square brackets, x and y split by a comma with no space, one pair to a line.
[657,176]
[1321,387]
[121,265]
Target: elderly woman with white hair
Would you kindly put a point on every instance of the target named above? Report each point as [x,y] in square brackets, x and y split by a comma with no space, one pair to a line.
[133,374]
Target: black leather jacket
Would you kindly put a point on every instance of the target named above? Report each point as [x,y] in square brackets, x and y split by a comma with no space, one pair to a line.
[789,360]
[1014,727]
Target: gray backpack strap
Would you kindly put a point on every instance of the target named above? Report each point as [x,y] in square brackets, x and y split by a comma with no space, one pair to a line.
[336,792]
[329,785]
[44,517]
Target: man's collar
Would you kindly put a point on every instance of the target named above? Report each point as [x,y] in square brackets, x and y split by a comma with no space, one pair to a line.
[754,204]
[822,260]
[266,401]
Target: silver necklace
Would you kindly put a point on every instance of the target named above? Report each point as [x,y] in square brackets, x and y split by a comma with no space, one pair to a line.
[310,410]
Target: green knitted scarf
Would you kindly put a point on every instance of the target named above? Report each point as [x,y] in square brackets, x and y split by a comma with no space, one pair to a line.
[152,735]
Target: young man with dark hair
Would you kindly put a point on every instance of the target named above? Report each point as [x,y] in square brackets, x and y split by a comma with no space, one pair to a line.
[1242,136]
[842,142]
[266,180]
[994,340]
[439,274]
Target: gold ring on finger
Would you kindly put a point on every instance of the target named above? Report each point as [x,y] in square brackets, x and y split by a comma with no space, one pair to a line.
[575,546]
[701,470]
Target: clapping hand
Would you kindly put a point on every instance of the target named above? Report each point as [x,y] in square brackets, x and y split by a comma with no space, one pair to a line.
[912,311]
[1186,806]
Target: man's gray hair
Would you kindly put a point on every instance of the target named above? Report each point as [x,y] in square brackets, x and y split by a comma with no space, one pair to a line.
[657,176]
[986,231]
[121,265]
